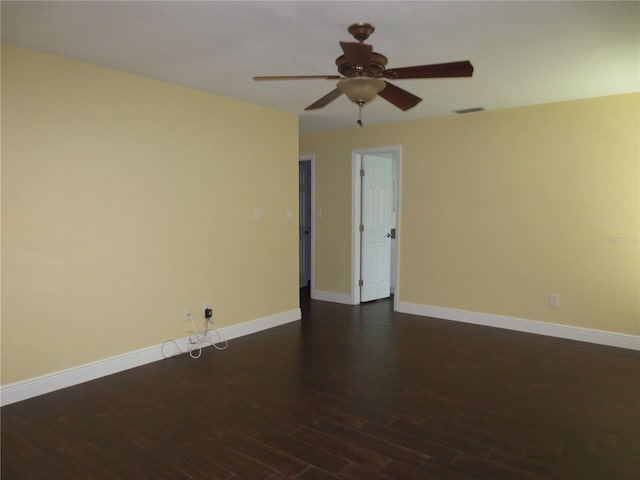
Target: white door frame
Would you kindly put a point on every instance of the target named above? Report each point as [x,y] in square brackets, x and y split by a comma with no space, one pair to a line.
[356,211]
[311,158]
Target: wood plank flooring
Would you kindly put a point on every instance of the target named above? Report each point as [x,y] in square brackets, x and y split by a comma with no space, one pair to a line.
[349,393]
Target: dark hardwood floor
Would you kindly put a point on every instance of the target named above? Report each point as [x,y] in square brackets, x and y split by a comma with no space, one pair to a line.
[351,393]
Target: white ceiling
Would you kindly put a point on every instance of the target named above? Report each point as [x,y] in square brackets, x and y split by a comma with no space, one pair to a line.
[524,53]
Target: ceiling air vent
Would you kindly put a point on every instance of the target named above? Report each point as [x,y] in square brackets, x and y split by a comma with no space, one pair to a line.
[469,110]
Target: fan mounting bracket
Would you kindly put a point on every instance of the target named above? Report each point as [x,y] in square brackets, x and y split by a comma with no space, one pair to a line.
[361,31]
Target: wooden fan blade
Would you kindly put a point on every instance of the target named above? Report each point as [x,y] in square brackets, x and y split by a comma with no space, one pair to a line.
[328,98]
[357,54]
[397,96]
[437,70]
[297,77]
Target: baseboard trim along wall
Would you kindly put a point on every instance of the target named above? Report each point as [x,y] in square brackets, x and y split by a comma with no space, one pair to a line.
[334,297]
[602,337]
[50,382]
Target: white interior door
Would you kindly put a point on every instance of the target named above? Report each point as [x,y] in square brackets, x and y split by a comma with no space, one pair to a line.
[377,206]
[305,221]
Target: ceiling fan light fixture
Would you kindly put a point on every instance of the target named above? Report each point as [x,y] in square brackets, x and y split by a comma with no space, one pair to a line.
[362,72]
[361,90]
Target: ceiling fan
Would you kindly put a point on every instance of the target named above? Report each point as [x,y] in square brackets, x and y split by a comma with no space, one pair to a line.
[363,74]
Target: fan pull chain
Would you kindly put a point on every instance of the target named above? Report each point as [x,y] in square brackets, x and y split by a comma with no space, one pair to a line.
[360,116]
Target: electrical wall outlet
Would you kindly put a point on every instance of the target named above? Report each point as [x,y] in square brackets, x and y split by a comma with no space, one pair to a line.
[554,300]
[207,312]
[187,314]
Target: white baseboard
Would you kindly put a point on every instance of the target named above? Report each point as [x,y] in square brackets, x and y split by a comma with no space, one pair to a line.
[602,337]
[50,382]
[259,324]
[334,297]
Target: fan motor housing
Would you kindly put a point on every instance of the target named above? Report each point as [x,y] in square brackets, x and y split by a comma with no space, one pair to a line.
[377,65]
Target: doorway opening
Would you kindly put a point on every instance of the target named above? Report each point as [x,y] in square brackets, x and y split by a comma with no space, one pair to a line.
[305,223]
[375,223]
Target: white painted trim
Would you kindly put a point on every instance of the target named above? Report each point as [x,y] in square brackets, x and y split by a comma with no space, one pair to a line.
[50,382]
[356,211]
[334,297]
[259,324]
[398,154]
[602,337]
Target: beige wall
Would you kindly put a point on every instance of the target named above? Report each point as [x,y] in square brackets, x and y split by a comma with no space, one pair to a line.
[125,200]
[500,209]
